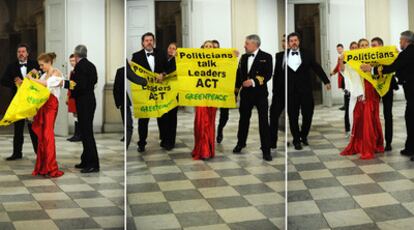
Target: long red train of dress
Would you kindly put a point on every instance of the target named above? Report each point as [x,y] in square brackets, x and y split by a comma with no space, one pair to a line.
[204,133]
[367,137]
[43,126]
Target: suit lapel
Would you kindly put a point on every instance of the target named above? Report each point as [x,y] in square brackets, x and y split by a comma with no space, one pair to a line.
[145,60]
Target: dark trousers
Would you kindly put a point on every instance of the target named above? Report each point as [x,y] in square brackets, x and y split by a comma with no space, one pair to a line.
[86,105]
[18,138]
[247,102]
[409,116]
[387,101]
[300,103]
[276,109]
[224,117]
[347,97]
[129,125]
[168,125]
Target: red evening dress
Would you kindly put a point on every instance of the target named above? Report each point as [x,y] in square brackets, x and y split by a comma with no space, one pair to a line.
[71,100]
[204,133]
[367,137]
[43,126]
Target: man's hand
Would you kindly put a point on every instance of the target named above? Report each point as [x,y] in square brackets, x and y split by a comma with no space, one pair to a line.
[236,53]
[247,84]
[328,86]
[366,67]
[159,77]
[18,81]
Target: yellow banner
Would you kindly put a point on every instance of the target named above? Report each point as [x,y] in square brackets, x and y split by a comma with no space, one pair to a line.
[206,77]
[29,98]
[375,56]
[154,99]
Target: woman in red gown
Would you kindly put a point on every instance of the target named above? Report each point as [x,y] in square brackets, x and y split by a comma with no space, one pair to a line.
[366,138]
[44,121]
[204,127]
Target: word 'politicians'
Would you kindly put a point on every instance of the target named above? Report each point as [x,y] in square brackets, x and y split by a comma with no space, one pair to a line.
[369,56]
[204,55]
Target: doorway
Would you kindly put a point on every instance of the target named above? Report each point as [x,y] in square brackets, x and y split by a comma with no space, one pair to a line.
[307,24]
[168,24]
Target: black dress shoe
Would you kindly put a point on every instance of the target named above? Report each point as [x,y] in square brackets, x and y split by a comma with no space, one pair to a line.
[273,146]
[89,170]
[219,138]
[298,146]
[79,166]
[342,108]
[122,139]
[411,158]
[305,141]
[141,149]
[13,158]
[267,157]
[405,152]
[238,149]
[74,139]
[388,147]
[169,147]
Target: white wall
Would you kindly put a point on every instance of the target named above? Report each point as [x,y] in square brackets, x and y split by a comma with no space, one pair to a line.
[346,24]
[86,25]
[211,19]
[267,29]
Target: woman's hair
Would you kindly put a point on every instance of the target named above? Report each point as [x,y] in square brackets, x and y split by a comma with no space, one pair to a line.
[353,43]
[72,56]
[208,41]
[362,40]
[47,57]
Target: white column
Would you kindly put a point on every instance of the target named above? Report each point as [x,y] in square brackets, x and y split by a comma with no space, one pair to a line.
[86,25]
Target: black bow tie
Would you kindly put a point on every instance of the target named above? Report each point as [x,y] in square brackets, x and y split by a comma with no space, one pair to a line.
[250,55]
[149,54]
[24,64]
[295,53]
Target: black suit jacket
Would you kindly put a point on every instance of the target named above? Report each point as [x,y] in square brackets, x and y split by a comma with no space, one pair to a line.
[160,60]
[301,80]
[13,70]
[119,88]
[403,66]
[85,76]
[262,67]
[279,75]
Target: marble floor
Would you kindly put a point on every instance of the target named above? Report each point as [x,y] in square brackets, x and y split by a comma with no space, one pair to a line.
[329,191]
[169,190]
[73,201]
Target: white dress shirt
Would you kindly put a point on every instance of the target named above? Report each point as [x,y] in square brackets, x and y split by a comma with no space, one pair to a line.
[151,60]
[23,69]
[250,61]
[294,61]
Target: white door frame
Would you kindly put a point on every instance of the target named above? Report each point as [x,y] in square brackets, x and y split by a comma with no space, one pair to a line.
[56,41]
[324,10]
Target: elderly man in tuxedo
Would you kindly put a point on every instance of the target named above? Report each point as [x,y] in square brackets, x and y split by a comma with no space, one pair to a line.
[85,76]
[254,71]
[300,96]
[12,77]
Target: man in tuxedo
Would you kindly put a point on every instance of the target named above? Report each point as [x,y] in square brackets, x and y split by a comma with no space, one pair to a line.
[254,71]
[154,60]
[14,76]
[119,98]
[387,101]
[403,66]
[85,76]
[278,99]
[300,97]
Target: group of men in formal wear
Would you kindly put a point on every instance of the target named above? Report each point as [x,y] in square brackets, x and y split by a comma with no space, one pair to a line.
[254,71]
